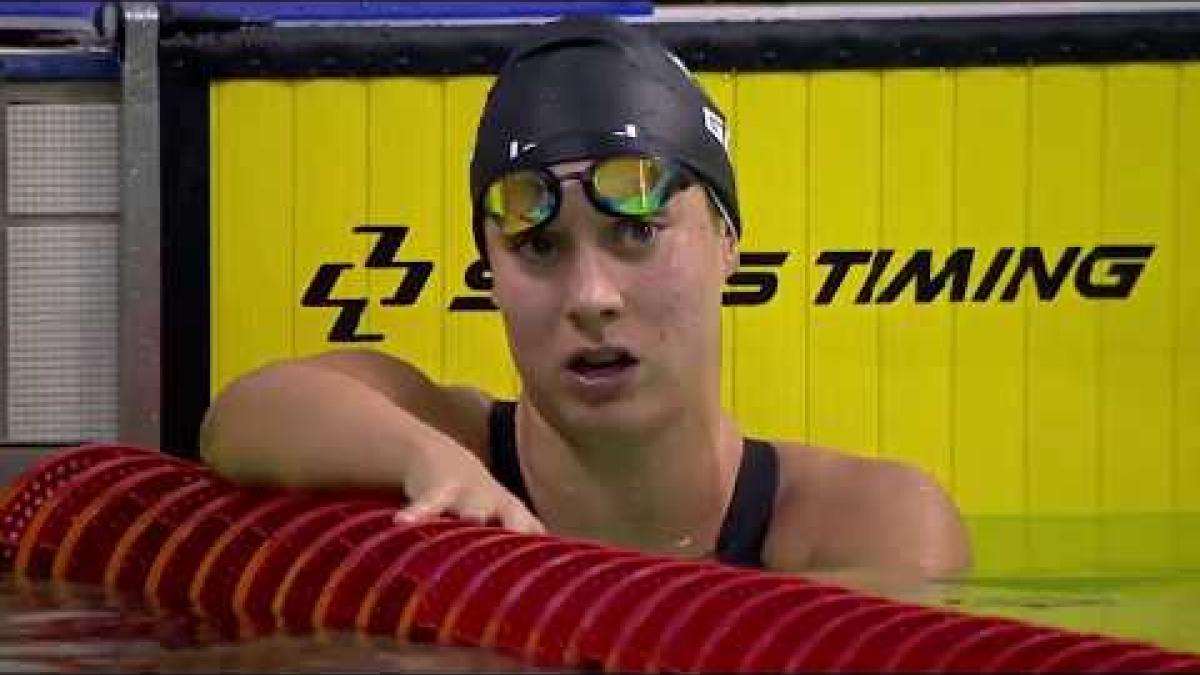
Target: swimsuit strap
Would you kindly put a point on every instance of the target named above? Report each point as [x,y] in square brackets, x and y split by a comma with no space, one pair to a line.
[505,467]
[748,518]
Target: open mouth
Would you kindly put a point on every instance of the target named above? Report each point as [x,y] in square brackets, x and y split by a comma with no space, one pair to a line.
[598,363]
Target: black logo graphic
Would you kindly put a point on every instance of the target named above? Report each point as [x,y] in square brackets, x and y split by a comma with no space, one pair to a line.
[764,282]
[1120,268]
[478,278]
[320,294]
[1102,272]
[383,255]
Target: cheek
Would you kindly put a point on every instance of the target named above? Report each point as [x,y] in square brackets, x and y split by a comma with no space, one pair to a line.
[681,297]
[528,310]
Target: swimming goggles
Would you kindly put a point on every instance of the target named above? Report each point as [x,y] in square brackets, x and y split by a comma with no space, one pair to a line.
[637,186]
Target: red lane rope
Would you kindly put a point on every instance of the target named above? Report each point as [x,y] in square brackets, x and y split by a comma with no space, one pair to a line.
[97,529]
[724,646]
[262,560]
[562,613]
[139,546]
[469,618]
[596,634]
[868,651]
[432,601]
[351,578]
[263,574]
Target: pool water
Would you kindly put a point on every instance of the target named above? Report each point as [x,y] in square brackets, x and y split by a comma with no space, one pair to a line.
[1129,575]
[55,627]
[1163,609]
[1069,573]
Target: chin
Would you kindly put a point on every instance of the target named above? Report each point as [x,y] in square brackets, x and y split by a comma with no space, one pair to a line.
[629,416]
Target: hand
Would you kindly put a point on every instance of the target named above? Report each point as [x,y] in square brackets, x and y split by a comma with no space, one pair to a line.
[447,479]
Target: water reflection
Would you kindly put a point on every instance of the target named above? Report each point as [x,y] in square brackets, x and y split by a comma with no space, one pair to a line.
[56,627]
[1160,606]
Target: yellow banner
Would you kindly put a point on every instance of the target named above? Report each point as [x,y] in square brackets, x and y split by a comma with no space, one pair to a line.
[990,272]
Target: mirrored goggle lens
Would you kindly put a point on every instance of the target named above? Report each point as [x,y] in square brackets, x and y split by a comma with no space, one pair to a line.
[519,201]
[635,186]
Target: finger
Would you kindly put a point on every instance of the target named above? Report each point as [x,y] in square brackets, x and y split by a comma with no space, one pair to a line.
[535,526]
[475,512]
[517,518]
[430,506]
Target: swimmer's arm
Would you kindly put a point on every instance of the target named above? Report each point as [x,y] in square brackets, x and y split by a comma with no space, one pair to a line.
[345,417]
[361,419]
[879,521]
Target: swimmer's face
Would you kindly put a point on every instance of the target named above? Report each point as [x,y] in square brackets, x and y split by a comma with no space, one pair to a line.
[614,324]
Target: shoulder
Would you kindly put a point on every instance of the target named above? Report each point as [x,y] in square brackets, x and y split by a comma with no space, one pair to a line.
[459,411]
[840,511]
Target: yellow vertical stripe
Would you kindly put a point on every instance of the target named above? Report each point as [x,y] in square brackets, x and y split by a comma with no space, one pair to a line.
[1064,192]
[914,347]
[1061,397]
[405,139]
[1187,332]
[476,351]
[768,384]
[1137,348]
[330,184]
[252,292]
[989,350]
[721,87]
[844,202]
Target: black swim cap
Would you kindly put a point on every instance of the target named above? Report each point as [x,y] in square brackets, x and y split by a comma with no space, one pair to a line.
[593,87]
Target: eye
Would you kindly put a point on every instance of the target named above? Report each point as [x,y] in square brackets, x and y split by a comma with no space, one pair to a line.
[636,233]
[538,245]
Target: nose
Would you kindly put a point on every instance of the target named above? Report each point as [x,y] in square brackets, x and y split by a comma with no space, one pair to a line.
[594,297]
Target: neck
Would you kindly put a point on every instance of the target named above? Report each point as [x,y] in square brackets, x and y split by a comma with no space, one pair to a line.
[660,492]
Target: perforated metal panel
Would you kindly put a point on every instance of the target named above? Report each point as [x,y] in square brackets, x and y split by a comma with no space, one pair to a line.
[62,331]
[58,265]
[62,158]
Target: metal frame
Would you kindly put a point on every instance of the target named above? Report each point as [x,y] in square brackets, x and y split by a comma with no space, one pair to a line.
[139,302]
[777,45]
[805,11]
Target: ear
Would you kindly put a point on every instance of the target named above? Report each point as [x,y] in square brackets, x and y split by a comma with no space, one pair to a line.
[730,258]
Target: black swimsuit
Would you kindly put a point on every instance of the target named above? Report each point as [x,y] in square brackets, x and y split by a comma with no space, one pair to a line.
[744,528]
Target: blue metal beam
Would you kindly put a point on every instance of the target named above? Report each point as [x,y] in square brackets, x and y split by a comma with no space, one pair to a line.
[69,10]
[83,66]
[381,11]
